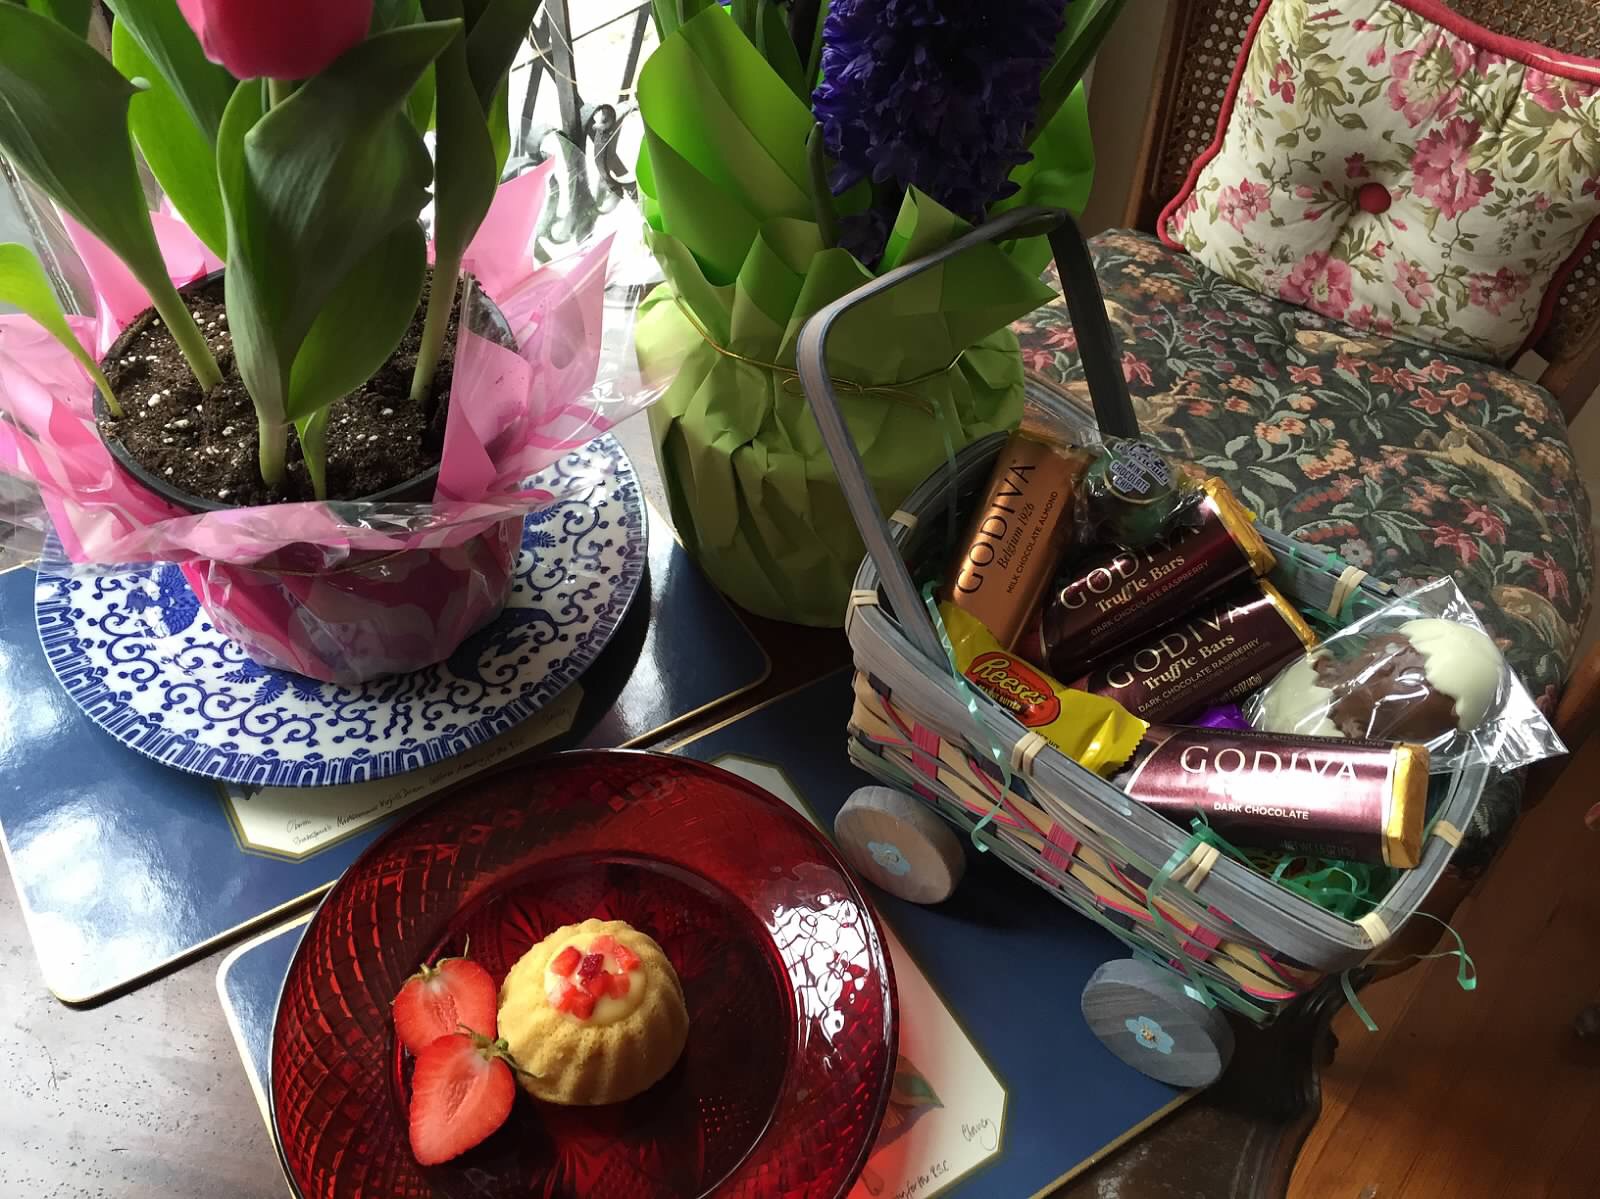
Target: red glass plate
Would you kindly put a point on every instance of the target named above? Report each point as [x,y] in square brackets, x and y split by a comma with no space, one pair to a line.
[792,1037]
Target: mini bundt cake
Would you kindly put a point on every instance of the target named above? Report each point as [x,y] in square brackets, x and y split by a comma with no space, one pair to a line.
[594,1014]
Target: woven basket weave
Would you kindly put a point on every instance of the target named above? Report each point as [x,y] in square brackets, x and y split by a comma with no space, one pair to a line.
[1234,936]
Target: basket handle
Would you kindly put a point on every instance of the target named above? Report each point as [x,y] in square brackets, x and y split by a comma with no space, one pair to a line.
[1097,346]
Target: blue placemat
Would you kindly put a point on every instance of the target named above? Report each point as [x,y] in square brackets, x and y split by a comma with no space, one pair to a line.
[125,867]
[1001,1088]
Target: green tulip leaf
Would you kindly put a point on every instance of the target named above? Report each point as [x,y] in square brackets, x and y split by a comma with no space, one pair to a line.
[464,151]
[73,140]
[24,286]
[313,434]
[472,118]
[352,337]
[70,14]
[310,189]
[176,150]
[361,322]
[201,86]
[495,30]
[500,128]
[392,14]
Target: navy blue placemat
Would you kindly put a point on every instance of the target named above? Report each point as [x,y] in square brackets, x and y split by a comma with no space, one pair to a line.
[1001,1089]
[125,867]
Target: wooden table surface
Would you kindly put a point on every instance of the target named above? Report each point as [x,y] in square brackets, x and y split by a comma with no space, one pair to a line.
[145,1095]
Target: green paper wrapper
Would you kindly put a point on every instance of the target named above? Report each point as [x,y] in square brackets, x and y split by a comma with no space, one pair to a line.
[921,371]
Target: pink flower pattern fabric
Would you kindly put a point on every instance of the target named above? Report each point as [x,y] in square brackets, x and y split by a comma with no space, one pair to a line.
[1390,165]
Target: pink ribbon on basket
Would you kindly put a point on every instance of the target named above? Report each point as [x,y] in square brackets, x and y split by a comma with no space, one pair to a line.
[528,407]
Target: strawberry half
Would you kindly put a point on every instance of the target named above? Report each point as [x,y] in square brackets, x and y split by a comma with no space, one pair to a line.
[437,1000]
[461,1092]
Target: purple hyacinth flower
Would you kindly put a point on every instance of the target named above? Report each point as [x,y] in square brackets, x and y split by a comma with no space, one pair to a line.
[939,94]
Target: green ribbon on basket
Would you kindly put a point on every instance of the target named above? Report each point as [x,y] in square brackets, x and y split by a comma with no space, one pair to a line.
[1466,970]
[1198,986]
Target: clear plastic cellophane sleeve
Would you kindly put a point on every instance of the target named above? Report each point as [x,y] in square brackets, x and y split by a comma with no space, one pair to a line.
[345,590]
[1421,669]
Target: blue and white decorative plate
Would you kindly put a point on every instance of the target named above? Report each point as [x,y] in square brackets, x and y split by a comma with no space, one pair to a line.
[136,652]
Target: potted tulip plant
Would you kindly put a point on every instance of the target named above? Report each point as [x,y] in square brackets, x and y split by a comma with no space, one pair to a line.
[328,361]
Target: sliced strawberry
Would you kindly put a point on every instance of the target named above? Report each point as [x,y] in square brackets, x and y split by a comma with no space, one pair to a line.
[604,943]
[580,1004]
[592,964]
[597,986]
[439,1000]
[617,985]
[626,958]
[461,1092]
[565,962]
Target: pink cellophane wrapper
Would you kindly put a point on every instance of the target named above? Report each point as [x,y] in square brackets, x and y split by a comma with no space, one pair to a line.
[350,590]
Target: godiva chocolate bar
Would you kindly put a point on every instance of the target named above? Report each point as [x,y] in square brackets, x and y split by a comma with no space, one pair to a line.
[1357,800]
[1224,650]
[1101,603]
[1017,534]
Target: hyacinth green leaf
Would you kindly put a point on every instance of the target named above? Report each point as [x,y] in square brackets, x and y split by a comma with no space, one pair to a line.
[177,151]
[24,286]
[762,21]
[201,86]
[1086,25]
[671,14]
[311,189]
[1058,175]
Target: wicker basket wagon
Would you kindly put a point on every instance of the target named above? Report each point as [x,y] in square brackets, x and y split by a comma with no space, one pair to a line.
[1209,933]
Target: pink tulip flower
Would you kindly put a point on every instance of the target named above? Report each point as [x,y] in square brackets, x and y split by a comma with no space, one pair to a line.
[279,39]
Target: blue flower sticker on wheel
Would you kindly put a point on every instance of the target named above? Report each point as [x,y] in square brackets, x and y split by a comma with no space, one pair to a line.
[889,857]
[1148,1034]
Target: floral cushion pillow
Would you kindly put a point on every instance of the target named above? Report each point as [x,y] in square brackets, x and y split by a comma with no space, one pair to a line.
[1391,165]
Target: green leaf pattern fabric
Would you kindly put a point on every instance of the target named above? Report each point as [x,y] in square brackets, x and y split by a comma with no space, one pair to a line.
[1406,461]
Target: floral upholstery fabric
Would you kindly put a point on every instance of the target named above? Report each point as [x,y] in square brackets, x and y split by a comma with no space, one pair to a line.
[1398,174]
[1405,461]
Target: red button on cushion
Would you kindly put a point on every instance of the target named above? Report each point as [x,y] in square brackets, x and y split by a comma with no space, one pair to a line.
[1374,198]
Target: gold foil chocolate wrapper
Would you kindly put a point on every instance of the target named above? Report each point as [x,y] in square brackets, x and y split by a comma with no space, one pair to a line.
[1017,535]
[1101,603]
[1355,800]
[1094,732]
[1223,651]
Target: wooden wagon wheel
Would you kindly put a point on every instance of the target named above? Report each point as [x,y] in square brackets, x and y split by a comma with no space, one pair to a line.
[898,843]
[1141,1015]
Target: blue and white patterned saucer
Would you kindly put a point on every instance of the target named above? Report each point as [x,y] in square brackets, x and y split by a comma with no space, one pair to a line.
[136,652]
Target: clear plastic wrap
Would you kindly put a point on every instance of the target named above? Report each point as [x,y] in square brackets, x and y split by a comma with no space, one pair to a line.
[344,591]
[1420,669]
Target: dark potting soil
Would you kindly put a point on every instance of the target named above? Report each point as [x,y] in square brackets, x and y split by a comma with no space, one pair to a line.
[206,444]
